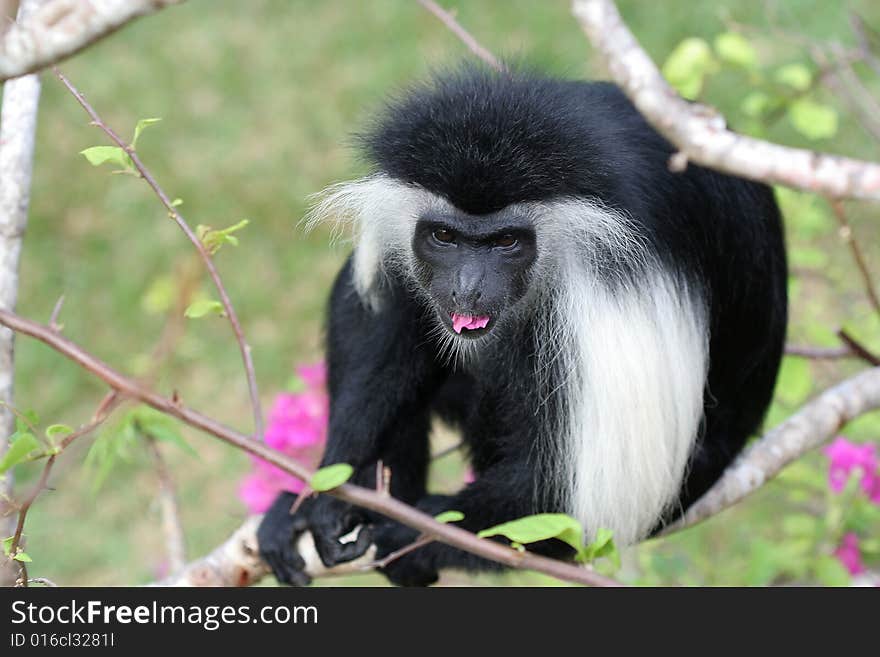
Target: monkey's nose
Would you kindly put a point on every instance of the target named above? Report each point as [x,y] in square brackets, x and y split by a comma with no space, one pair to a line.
[467,298]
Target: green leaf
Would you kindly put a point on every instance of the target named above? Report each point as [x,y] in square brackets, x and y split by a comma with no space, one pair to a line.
[176,202]
[806,215]
[602,546]
[540,527]
[214,238]
[755,104]
[161,427]
[812,119]
[830,572]
[688,65]
[7,545]
[331,476]
[796,76]
[799,525]
[734,48]
[57,430]
[160,296]
[449,516]
[25,421]
[32,418]
[203,307]
[143,123]
[21,446]
[98,155]
[112,445]
[22,556]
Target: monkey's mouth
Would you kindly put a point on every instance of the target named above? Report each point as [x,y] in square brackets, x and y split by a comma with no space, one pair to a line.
[470,325]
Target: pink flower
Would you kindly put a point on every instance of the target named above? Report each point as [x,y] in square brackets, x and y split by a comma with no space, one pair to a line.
[849,555]
[314,376]
[297,427]
[845,457]
[257,493]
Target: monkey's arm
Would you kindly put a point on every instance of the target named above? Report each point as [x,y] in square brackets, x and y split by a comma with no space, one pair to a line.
[381,376]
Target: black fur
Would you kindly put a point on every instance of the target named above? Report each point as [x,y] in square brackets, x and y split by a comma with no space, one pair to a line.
[485,141]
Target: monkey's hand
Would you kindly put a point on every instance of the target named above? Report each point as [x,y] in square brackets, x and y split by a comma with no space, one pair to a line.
[278,536]
[333,523]
[289,542]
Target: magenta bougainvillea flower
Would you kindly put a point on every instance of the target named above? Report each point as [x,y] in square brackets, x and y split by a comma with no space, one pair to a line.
[846,457]
[298,427]
[849,555]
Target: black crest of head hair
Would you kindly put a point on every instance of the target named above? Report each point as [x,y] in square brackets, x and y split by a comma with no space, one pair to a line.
[485,139]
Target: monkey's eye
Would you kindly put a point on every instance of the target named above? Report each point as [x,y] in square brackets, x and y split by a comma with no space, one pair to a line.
[506,241]
[444,236]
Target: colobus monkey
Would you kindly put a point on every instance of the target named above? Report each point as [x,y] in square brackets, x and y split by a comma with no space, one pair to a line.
[605,332]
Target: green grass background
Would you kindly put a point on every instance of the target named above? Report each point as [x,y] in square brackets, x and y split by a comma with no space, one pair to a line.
[257,100]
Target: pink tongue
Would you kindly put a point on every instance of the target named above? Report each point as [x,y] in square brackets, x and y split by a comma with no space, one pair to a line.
[467,322]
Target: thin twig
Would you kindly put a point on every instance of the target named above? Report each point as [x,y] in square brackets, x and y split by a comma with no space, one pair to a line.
[819,353]
[846,234]
[45,581]
[421,541]
[473,45]
[379,466]
[175,541]
[105,407]
[858,348]
[357,495]
[447,451]
[863,38]
[244,347]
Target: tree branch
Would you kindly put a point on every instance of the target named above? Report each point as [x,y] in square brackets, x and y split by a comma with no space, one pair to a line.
[62,28]
[357,495]
[700,132]
[231,315]
[18,125]
[814,424]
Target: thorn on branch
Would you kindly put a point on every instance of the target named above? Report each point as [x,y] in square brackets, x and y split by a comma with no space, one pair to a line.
[56,311]
[304,494]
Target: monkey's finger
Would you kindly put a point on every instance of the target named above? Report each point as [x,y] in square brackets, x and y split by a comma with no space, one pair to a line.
[286,573]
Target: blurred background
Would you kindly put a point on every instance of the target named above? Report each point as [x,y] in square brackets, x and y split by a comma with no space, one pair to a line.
[257,101]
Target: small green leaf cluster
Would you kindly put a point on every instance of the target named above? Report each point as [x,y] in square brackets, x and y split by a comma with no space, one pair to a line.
[123,442]
[788,89]
[214,238]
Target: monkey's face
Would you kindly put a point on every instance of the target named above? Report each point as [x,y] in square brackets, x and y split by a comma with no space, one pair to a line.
[473,269]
